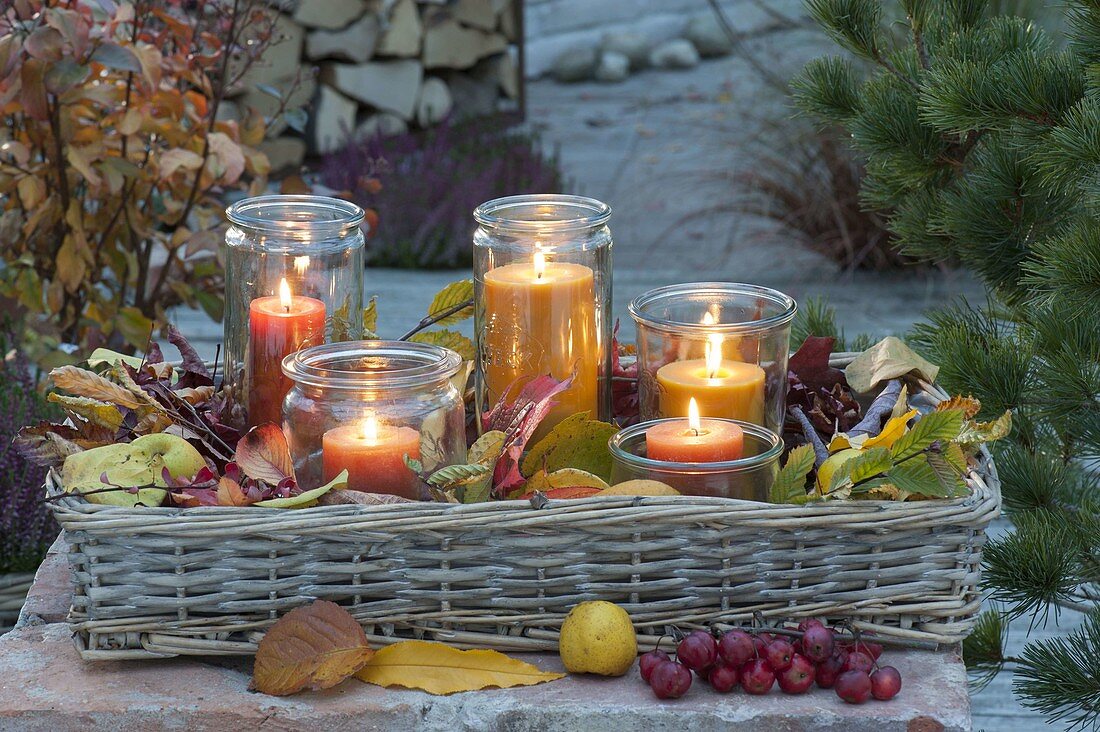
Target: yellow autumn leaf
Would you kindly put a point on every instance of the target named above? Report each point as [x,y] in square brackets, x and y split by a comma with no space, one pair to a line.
[894,429]
[439,669]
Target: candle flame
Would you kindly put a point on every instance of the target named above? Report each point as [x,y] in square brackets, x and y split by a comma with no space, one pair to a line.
[370,428]
[694,423]
[301,264]
[284,294]
[540,265]
[708,317]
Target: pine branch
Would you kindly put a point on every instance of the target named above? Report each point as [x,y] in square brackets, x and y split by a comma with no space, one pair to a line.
[1061,676]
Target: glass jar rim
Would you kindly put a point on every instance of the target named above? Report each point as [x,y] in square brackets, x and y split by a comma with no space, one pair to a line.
[640,307]
[619,451]
[299,217]
[501,213]
[424,363]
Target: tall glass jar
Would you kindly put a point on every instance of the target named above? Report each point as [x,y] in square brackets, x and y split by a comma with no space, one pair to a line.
[723,344]
[364,406]
[542,274]
[293,279]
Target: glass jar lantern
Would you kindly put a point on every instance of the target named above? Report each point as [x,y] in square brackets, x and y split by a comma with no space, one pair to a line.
[293,279]
[542,274]
[723,344]
[365,406]
[749,477]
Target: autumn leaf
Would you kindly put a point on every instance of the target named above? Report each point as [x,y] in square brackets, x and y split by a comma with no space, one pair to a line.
[230,494]
[451,339]
[263,454]
[440,669]
[888,359]
[309,498]
[811,364]
[97,412]
[312,647]
[578,441]
[452,296]
[84,383]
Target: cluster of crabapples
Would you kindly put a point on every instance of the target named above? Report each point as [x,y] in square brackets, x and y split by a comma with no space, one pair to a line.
[755,662]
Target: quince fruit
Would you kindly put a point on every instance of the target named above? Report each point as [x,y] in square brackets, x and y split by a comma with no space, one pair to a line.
[597,637]
[641,487]
[130,465]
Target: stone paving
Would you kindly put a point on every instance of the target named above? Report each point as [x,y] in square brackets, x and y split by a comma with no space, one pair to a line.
[44,687]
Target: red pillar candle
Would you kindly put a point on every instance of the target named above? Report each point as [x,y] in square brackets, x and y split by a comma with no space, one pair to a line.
[278,326]
[374,456]
[695,440]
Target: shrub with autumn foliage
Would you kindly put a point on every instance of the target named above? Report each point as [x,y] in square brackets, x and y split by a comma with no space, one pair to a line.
[112,158]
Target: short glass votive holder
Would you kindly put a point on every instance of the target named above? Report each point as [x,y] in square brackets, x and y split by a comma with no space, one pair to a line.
[293,279]
[542,276]
[723,344]
[365,406]
[748,478]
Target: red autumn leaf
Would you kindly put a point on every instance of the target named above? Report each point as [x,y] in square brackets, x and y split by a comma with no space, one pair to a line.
[312,647]
[518,420]
[263,454]
[810,363]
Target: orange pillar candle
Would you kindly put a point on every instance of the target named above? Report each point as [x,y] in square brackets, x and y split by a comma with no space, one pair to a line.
[695,440]
[540,318]
[374,456]
[724,388]
[278,326]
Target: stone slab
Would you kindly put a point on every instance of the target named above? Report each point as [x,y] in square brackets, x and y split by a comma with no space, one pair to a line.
[44,687]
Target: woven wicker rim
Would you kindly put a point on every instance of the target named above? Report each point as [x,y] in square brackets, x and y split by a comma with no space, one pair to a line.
[618,444]
[384,365]
[640,308]
[521,213]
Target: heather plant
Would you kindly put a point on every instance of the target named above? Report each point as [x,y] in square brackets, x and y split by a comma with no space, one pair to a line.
[424,185]
[112,160]
[26,527]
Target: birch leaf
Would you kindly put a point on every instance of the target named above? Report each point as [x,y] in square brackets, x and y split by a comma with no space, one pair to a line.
[440,669]
[790,483]
[451,296]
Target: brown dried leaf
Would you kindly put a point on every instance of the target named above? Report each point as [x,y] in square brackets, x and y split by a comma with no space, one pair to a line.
[968,404]
[312,647]
[84,383]
[196,395]
[230,493]
[343,497]
[263,454]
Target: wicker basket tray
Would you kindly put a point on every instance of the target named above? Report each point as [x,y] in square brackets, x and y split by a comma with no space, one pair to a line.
[13,593]
[503,575]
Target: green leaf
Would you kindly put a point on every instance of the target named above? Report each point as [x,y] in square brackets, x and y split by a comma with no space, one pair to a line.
[414,465]
[454,340]
[487,448]
[974,433]
[917,476]
[867,464]
[950,478]
[451,296]
[471,481]
[305,499]
[114,56]
[370,315]
[134,326]
[576,442]
[943,426]
[790,483]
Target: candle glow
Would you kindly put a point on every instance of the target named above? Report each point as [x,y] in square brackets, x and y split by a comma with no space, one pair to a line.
[539,265]
[370,429]
[284,294]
